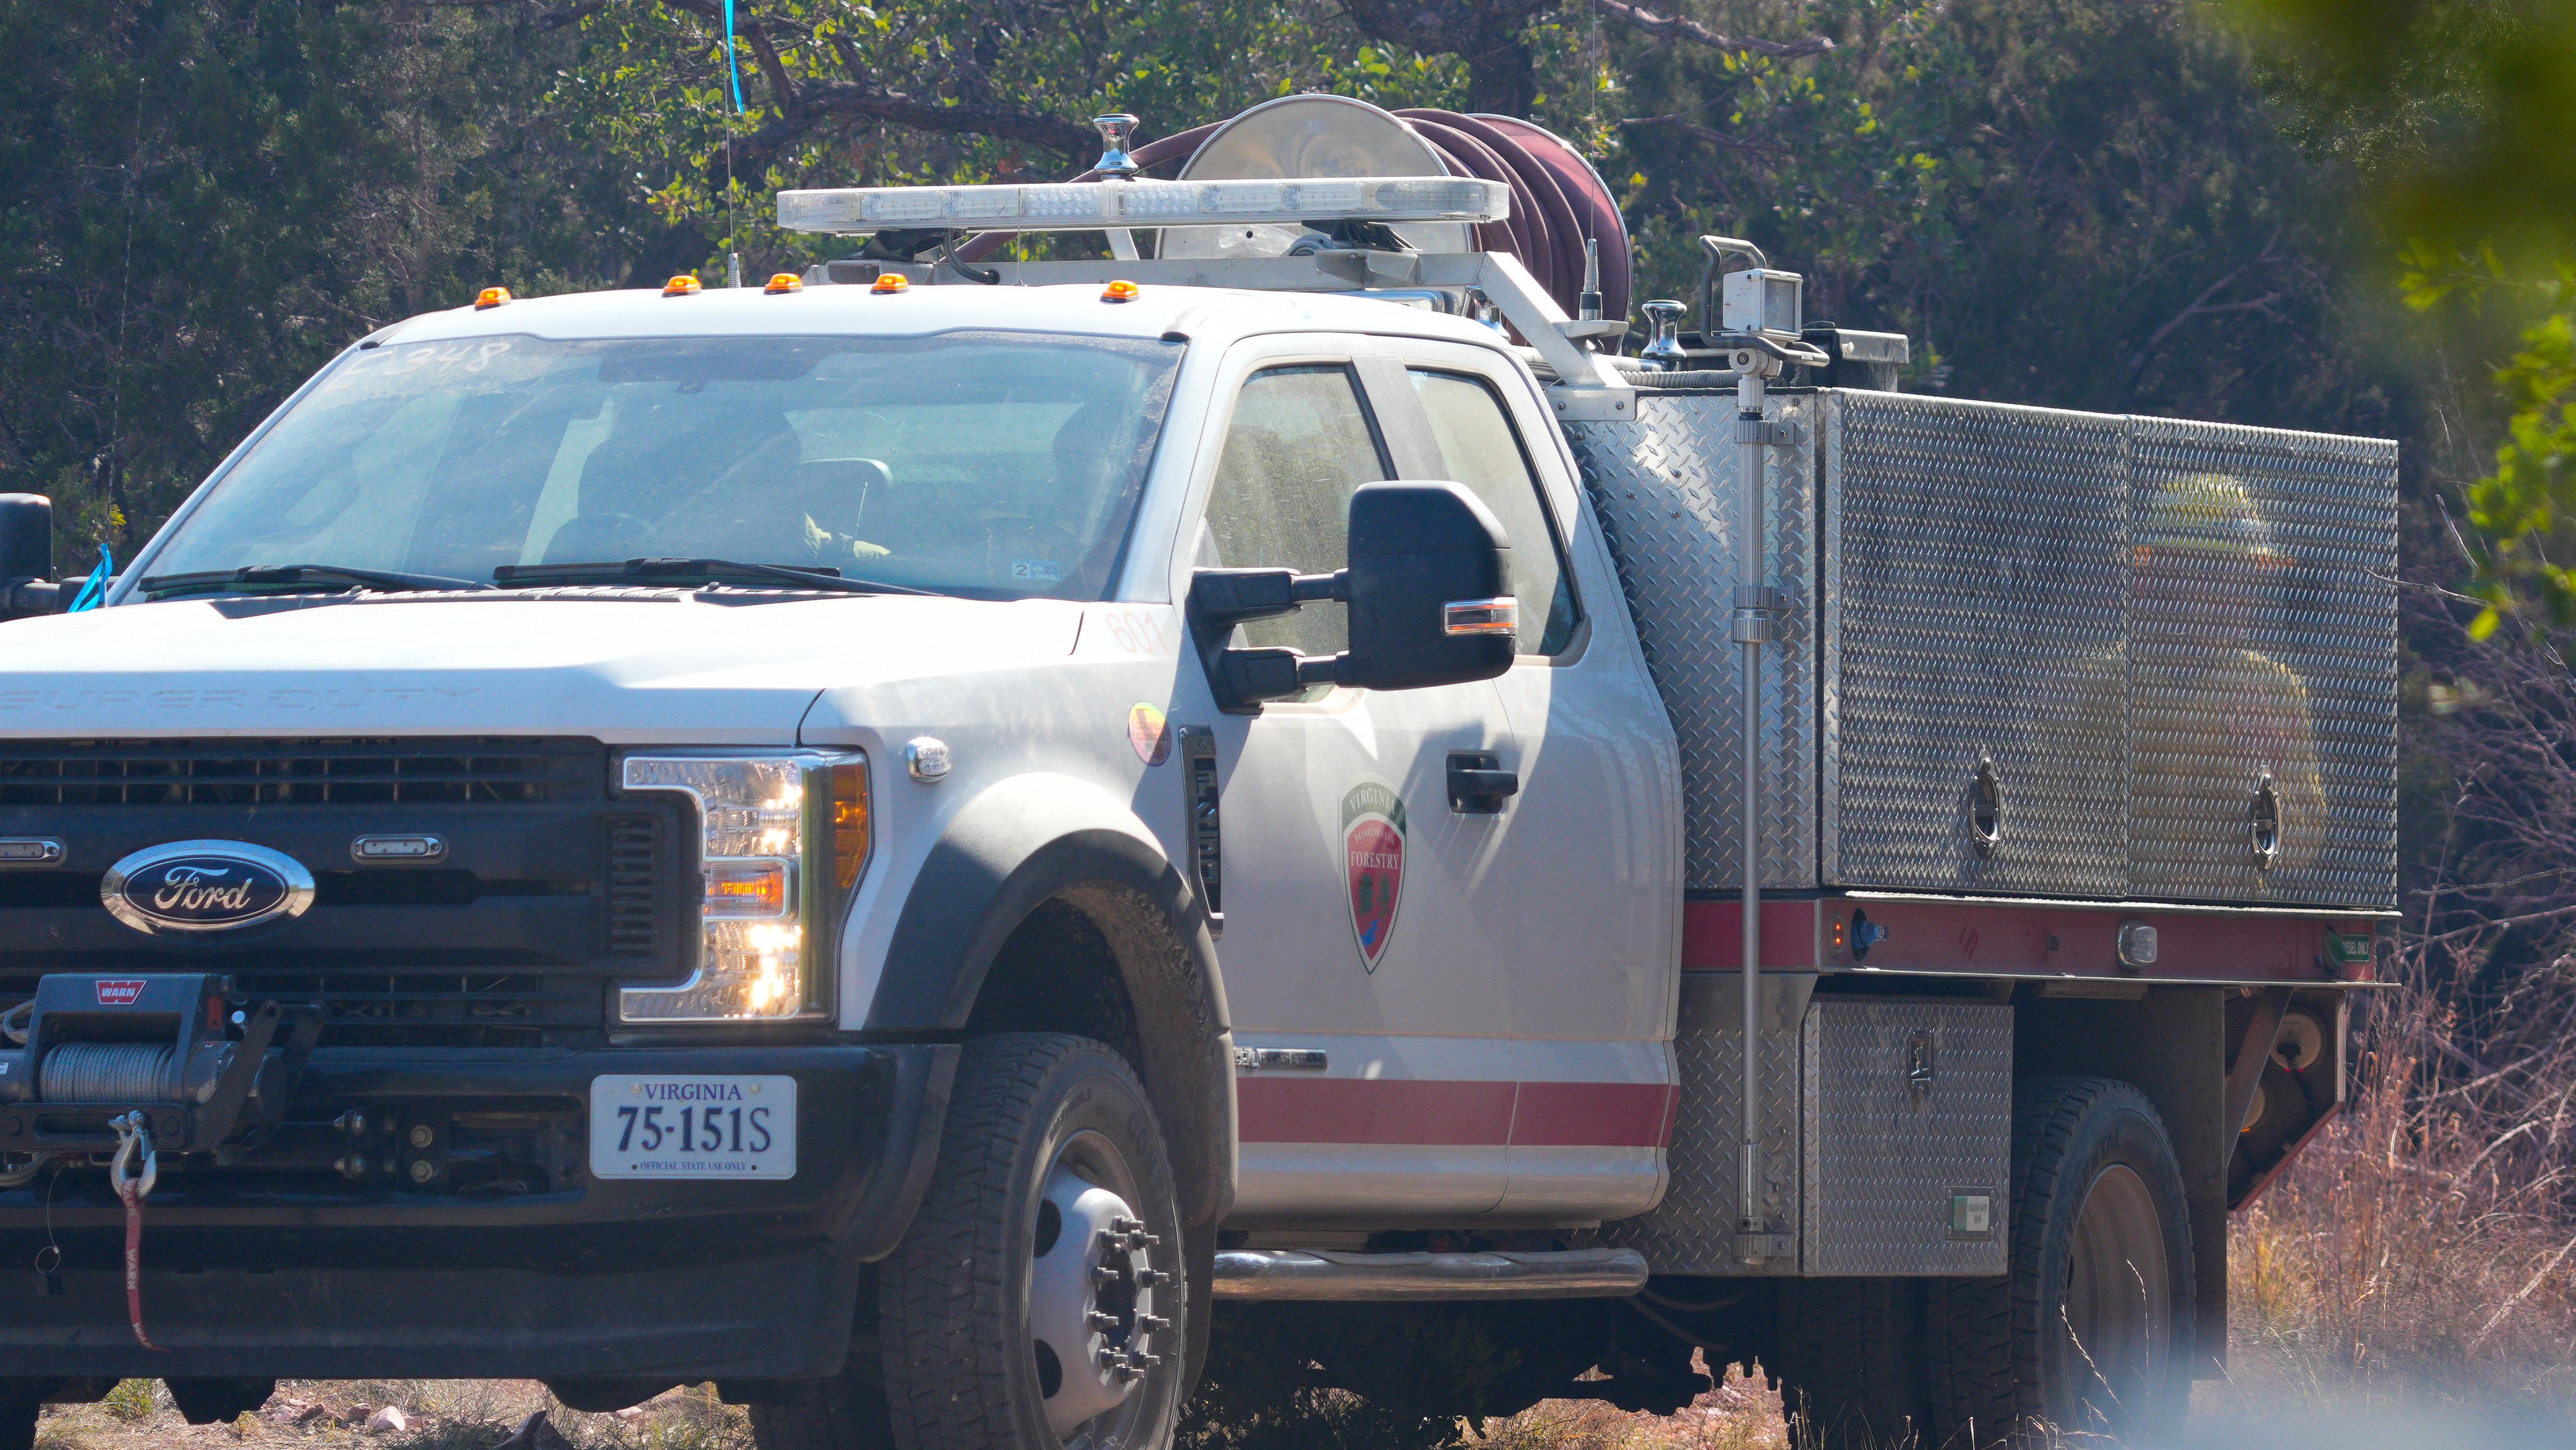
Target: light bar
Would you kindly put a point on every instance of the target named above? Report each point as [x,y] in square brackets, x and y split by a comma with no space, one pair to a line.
[1095,205]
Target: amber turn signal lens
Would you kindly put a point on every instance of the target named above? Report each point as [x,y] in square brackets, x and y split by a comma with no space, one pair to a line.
[849,821]
[681,286]
[1119,292]
[747,889]
[491,297]
[784,282]
[890,282]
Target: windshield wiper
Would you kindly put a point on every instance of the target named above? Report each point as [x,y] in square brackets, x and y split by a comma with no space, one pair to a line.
[292,575]
[711,570]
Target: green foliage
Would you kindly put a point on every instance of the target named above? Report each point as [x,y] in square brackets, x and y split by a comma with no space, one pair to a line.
[2079,202]
[2083,203]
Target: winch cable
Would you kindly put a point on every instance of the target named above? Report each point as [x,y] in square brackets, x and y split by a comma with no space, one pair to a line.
[1558,202]
[134,1135]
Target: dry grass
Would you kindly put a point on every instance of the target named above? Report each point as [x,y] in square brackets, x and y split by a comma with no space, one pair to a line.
[1742,1413]
[444,1415]
[2421,1250]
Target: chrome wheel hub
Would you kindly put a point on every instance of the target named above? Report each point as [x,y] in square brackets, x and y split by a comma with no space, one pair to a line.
[1092,1289]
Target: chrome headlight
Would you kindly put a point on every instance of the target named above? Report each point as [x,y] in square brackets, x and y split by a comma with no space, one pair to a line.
[783,840]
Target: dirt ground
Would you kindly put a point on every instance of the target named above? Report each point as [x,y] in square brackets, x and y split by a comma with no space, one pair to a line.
[481,1414]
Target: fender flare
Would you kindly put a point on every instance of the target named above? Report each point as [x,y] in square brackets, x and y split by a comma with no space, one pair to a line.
[1039,837]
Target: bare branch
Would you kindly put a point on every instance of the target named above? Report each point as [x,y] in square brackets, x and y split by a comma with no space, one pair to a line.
[1638,17]
[1709,134]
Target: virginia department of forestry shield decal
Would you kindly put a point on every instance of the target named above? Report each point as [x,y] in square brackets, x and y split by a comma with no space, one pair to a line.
[1373,859]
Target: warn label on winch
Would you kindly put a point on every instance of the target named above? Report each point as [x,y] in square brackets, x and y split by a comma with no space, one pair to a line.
[116,993]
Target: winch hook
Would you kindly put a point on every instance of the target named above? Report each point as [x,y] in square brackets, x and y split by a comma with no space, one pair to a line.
[134,1134]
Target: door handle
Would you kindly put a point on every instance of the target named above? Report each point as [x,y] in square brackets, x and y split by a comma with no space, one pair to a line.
[1478,784]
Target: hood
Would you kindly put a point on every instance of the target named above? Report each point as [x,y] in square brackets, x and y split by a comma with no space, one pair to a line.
[644,668]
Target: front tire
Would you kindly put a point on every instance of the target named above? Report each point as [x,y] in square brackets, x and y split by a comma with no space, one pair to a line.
[1040,1298]
[2090,1332]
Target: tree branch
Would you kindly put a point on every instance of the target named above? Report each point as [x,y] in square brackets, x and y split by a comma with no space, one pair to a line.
[1638,17]
[1709,134]
[1010,123]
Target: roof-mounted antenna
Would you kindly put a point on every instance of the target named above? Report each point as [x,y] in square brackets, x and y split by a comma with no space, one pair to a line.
[1116,165]
[1589,309]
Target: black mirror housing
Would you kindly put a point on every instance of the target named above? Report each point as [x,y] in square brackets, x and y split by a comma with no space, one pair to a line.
[1427,590]
[27,556]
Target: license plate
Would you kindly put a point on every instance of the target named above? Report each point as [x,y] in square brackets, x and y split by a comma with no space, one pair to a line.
[664,1125]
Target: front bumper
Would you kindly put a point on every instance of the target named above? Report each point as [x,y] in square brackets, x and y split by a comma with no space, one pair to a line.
[252,1273]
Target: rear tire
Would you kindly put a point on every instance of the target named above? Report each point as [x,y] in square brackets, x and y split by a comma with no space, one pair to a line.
[1851,1363]
[2090,1331]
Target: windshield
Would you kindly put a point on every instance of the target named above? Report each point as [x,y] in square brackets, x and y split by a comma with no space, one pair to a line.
[988,464]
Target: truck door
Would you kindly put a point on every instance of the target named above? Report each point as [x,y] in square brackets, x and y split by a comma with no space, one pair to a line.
[1588,861]
[1365,955]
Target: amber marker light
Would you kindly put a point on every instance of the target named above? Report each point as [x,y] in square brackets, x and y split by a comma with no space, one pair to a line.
[849,821]
[890,282]
[490,297]
[1119,292]
[682,286]
[784,282]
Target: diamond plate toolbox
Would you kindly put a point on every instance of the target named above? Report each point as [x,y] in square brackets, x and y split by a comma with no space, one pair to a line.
[1976,574]
[2028,651]
[1887,1137]
[1907,1137]
[2263,650]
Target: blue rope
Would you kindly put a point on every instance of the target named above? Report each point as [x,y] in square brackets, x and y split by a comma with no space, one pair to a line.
[731,65]
[93,590]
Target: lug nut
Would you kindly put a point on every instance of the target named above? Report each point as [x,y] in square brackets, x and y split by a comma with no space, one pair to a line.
[1152,1323]
[1100,1321]
[1151,1278]
[1119,1224]
[1104,1275]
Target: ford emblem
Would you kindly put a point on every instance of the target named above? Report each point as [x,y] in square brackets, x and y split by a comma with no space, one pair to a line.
[187,888]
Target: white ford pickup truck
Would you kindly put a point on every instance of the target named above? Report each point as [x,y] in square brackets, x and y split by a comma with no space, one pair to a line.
[926,840]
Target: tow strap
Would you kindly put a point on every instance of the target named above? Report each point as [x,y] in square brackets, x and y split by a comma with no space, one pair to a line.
[133,1186]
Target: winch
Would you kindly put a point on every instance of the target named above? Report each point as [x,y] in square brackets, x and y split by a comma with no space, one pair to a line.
[198,1063]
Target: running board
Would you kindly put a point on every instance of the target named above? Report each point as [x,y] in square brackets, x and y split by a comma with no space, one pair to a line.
[1278,1274]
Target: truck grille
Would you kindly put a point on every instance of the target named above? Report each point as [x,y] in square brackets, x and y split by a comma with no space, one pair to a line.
[298,772]
[546,892]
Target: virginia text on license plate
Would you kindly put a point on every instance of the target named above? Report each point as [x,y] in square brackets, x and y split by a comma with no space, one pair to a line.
[661,1125]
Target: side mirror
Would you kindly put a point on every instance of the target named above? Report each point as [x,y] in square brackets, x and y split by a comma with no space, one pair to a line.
[1425,590]
[27,556]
